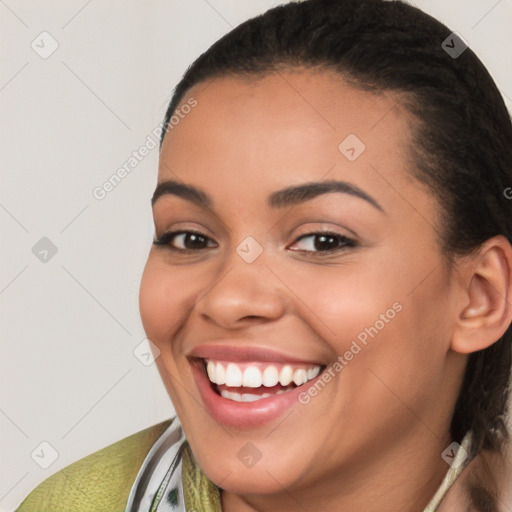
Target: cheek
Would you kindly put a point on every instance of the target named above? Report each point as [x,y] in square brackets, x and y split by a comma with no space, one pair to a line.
[162,313]
[159,301]
[341,301]
[377,318]
[402,363]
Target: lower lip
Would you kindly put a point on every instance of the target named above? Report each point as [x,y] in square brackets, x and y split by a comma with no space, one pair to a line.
[244,414]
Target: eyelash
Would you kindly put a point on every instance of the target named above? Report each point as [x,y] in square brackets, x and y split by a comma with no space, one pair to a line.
[165,239]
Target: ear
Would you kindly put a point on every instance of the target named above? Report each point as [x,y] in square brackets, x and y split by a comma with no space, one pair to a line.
[487,310]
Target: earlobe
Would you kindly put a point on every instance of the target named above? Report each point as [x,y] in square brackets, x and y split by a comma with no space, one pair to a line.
[487,312]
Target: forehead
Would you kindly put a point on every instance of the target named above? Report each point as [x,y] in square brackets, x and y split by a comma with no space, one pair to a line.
[246,135]
[304,112]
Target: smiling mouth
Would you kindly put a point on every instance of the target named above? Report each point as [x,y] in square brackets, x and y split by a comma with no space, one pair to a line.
[252,381]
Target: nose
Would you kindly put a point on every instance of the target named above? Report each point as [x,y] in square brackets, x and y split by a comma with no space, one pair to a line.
[243,293]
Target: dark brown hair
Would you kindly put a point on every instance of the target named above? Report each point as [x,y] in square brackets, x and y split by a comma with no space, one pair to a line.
[461,132]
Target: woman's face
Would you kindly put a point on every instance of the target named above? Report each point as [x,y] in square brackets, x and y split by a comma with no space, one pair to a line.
[263,295]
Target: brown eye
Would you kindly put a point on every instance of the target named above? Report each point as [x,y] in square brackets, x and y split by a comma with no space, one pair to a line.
[183,240]
[323,242]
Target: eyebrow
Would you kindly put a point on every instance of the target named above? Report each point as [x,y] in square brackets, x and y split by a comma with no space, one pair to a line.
[289,196]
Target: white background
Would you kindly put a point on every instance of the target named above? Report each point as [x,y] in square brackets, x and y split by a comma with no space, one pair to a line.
[69,326]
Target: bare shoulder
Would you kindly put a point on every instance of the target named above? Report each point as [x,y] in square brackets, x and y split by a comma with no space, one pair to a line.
[99,481]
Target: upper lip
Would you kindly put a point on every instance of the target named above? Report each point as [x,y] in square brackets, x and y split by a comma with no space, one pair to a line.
[245,353]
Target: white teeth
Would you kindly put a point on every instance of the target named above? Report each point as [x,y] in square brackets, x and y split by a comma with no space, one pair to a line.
[313,372]
[270,376]
[249,398]
[228,394]
[233,376]
[286,375]
[210,369]
[246,397]
[300,376]
[252,377]
[220,374]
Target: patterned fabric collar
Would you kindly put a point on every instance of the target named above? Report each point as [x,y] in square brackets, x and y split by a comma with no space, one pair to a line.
[170,480]
[460,456]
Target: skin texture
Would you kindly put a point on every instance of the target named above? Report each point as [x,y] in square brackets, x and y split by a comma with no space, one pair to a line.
[372,439]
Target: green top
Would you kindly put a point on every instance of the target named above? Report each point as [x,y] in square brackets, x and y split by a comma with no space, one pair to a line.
[200,493]
[101,482]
